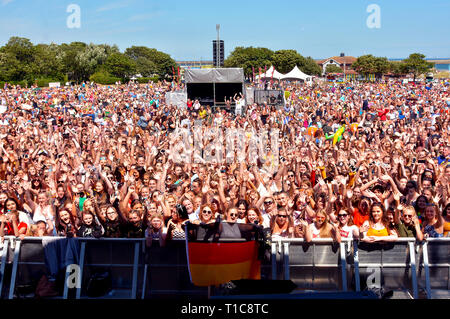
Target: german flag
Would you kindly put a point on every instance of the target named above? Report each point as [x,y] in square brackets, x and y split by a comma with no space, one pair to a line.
[215,260]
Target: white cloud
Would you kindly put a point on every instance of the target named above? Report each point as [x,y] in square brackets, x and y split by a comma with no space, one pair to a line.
[112,6]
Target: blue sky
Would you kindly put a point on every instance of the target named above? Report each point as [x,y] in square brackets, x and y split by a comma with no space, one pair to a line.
[185,29]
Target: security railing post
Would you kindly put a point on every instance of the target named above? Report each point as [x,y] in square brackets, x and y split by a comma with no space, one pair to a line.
[343,266]
[412,258]
[286,261]
[427,269]
[82,253]
[14,269]
[2,269]
[144,282]
[66,288]
[135,270]
[356,265]
[274,260]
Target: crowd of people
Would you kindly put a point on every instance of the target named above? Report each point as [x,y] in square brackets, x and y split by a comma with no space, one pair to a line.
[354,160]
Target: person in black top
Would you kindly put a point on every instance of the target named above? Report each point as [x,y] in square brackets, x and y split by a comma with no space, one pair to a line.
[135,227]
[89,226]
[113,223]
[65,224]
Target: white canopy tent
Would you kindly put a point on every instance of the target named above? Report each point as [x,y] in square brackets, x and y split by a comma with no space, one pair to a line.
[296,74]
[268,75]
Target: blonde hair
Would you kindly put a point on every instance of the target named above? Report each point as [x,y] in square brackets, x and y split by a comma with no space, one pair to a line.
[325,230]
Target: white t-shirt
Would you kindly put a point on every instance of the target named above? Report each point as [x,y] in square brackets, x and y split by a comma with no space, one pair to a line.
[43,213]
[195,215]
[266,220]
[347,231]
[315,231]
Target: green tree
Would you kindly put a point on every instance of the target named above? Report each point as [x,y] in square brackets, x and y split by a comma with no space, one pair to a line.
[365,64]
[70,65]
[10,68]
[120,65]
[16,59]
[332,68]
[417,65]
[22,49]
[150,61]
[249,58]
[369,64]
[48,62]
[397,67]
[92,58]
[311,67]
[381,66]
[103,77]
[285,60]
[146,67]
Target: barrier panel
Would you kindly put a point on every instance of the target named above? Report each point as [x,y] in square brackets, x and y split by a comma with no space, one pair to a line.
[391,265]
[33,257]
[138,271]
[317,265]
[167,272]
[122,260]
[434,267]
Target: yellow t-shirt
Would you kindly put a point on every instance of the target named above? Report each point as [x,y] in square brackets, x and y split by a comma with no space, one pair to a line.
[446,228]
[377,232]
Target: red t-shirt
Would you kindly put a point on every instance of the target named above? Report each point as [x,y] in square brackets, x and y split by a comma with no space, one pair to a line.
[9,230]
[382,114]
[358,218]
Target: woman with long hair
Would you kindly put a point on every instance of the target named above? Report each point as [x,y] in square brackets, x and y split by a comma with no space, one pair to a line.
[446,216]
[345,225]
[113,222]
[321,228]
[242,206]
[254,216]
[377,227]
[420,205]
[206,214]
[101,193]
[433,222]
[282,224]
[175,226]
[65,224]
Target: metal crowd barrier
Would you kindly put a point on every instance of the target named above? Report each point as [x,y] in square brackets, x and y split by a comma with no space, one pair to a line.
[320,264]
[401,265]
[434,267]
[138,271]
[114,255]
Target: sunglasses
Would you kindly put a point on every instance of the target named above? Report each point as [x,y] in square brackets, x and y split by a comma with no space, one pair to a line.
[342,215]
[408,216]
[207,212]
[233,215]
[320,218]
[268,203]
[282,216]
[290,175]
